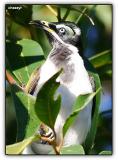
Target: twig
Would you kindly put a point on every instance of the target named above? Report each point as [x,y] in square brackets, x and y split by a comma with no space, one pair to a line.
[83,13]
[57,151]
[9,78]
[57,147]
[66,14]
[54,144]
[77,10]
[78,19]
[59,14]
[12,81]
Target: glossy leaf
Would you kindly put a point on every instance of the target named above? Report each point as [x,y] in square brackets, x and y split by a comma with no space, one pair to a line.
[74,149]
[92,133]
[105,72]
[23,58]
[103,63]
[105,153]
[27,121]
[81,102]
[101,59]
[46,107]
[17,148]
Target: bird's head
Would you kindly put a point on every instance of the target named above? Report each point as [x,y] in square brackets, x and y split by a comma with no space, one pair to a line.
[67,32]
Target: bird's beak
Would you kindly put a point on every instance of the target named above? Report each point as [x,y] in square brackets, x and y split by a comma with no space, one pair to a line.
[42,24]
[48,27]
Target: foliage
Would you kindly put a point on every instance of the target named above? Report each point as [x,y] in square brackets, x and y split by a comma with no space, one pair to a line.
[81,102]
[27,121]
[28,54]
[17,148]
[25,52]
[46,107]
[73,149]
[103,63]
[105,153]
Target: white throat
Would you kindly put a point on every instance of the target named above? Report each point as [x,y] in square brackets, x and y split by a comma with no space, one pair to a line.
[79,79]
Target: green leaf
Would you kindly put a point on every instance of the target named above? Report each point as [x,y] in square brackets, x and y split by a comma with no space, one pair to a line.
[92,133]
[105,153]
[74,149]
[81,102]
[88,144]
[27,121]
[46,107]
[101,59]
[17,148]
[23,58]
[105,71]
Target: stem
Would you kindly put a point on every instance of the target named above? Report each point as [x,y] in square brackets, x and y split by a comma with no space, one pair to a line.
[77,10]
[83,13]
[56,147]
[9,78]
[78,19]
[12,81]
[66,14]
[59,14]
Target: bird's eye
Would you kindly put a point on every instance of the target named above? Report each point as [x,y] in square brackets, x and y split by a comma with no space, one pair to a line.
[45,23]
[62,30]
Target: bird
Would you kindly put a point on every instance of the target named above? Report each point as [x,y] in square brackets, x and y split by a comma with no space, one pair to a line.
[65,39]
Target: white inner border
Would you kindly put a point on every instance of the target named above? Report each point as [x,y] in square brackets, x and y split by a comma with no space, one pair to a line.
[2,80]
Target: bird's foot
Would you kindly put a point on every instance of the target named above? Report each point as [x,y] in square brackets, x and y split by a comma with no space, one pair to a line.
[47,135]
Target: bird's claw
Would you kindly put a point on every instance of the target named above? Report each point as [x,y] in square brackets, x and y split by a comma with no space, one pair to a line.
[46,136]
[47,139]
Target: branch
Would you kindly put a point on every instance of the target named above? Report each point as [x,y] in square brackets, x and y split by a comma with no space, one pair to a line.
[57,147]
[12,81]
[59,14]
[66,14]
[83,12]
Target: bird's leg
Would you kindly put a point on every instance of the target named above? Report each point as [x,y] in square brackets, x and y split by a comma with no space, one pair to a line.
[47,135]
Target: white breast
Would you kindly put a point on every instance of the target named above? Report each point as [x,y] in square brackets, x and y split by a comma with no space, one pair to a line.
[69,92]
